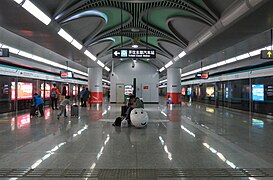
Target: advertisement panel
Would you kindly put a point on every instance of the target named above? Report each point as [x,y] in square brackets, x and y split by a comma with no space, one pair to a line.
[189,91]
[210,91]
[183,91]
[47,90]
[96,98]
[74,91]
[258,92]
[24,89]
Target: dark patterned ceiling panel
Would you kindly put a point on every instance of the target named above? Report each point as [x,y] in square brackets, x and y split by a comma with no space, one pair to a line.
[168,26]
[169,47]
[134,21]
[100,47]
[187,27]
[87,28]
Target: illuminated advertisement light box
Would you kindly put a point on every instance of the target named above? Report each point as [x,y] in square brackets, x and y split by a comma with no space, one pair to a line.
[25,90]
[47,90]
[66,74]
[74,90]
[258,92]
[183,91]
[189,91]
[226,92]
[210,91]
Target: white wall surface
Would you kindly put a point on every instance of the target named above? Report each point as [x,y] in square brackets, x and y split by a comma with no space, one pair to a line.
[144,74]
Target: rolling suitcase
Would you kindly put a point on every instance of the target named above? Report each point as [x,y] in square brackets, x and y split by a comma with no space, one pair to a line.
[33,111]
[74,110]
[123,110]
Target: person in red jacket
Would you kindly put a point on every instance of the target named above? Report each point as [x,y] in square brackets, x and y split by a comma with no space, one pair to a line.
[54,96]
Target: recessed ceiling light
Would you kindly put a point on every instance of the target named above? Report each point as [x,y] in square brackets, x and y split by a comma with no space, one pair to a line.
[134,46]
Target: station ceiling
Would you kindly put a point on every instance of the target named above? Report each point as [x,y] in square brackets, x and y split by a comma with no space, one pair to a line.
[168,26]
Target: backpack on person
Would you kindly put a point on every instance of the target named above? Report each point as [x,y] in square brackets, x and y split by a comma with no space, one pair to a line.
[53,93]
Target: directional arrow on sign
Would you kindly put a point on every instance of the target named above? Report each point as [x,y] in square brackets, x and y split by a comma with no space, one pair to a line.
[269,53]
[116,53]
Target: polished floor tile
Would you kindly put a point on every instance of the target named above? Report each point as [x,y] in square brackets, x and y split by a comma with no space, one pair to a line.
[188,136]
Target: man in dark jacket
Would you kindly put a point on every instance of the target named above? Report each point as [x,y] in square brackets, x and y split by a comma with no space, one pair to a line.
[85,97]
[81,95]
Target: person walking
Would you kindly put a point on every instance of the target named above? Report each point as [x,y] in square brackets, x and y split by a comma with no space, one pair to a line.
[85,97]
[81,95]
[39,104]
[63,105]
[54,96]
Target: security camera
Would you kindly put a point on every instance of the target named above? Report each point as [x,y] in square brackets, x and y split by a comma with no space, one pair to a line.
[133,64]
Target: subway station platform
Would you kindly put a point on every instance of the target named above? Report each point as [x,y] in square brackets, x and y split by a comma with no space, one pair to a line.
[188,141]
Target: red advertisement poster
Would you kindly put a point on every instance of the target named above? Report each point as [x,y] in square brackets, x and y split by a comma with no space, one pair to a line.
[173,97]
[95,98]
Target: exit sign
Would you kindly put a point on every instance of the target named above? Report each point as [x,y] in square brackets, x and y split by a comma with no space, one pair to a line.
[267,54]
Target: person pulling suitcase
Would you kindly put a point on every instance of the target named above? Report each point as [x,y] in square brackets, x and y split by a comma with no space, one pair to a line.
[63,105]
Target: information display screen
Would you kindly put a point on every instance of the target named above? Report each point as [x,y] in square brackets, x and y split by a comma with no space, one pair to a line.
[66,74]
[202,75]
[25,90]
[258,92]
